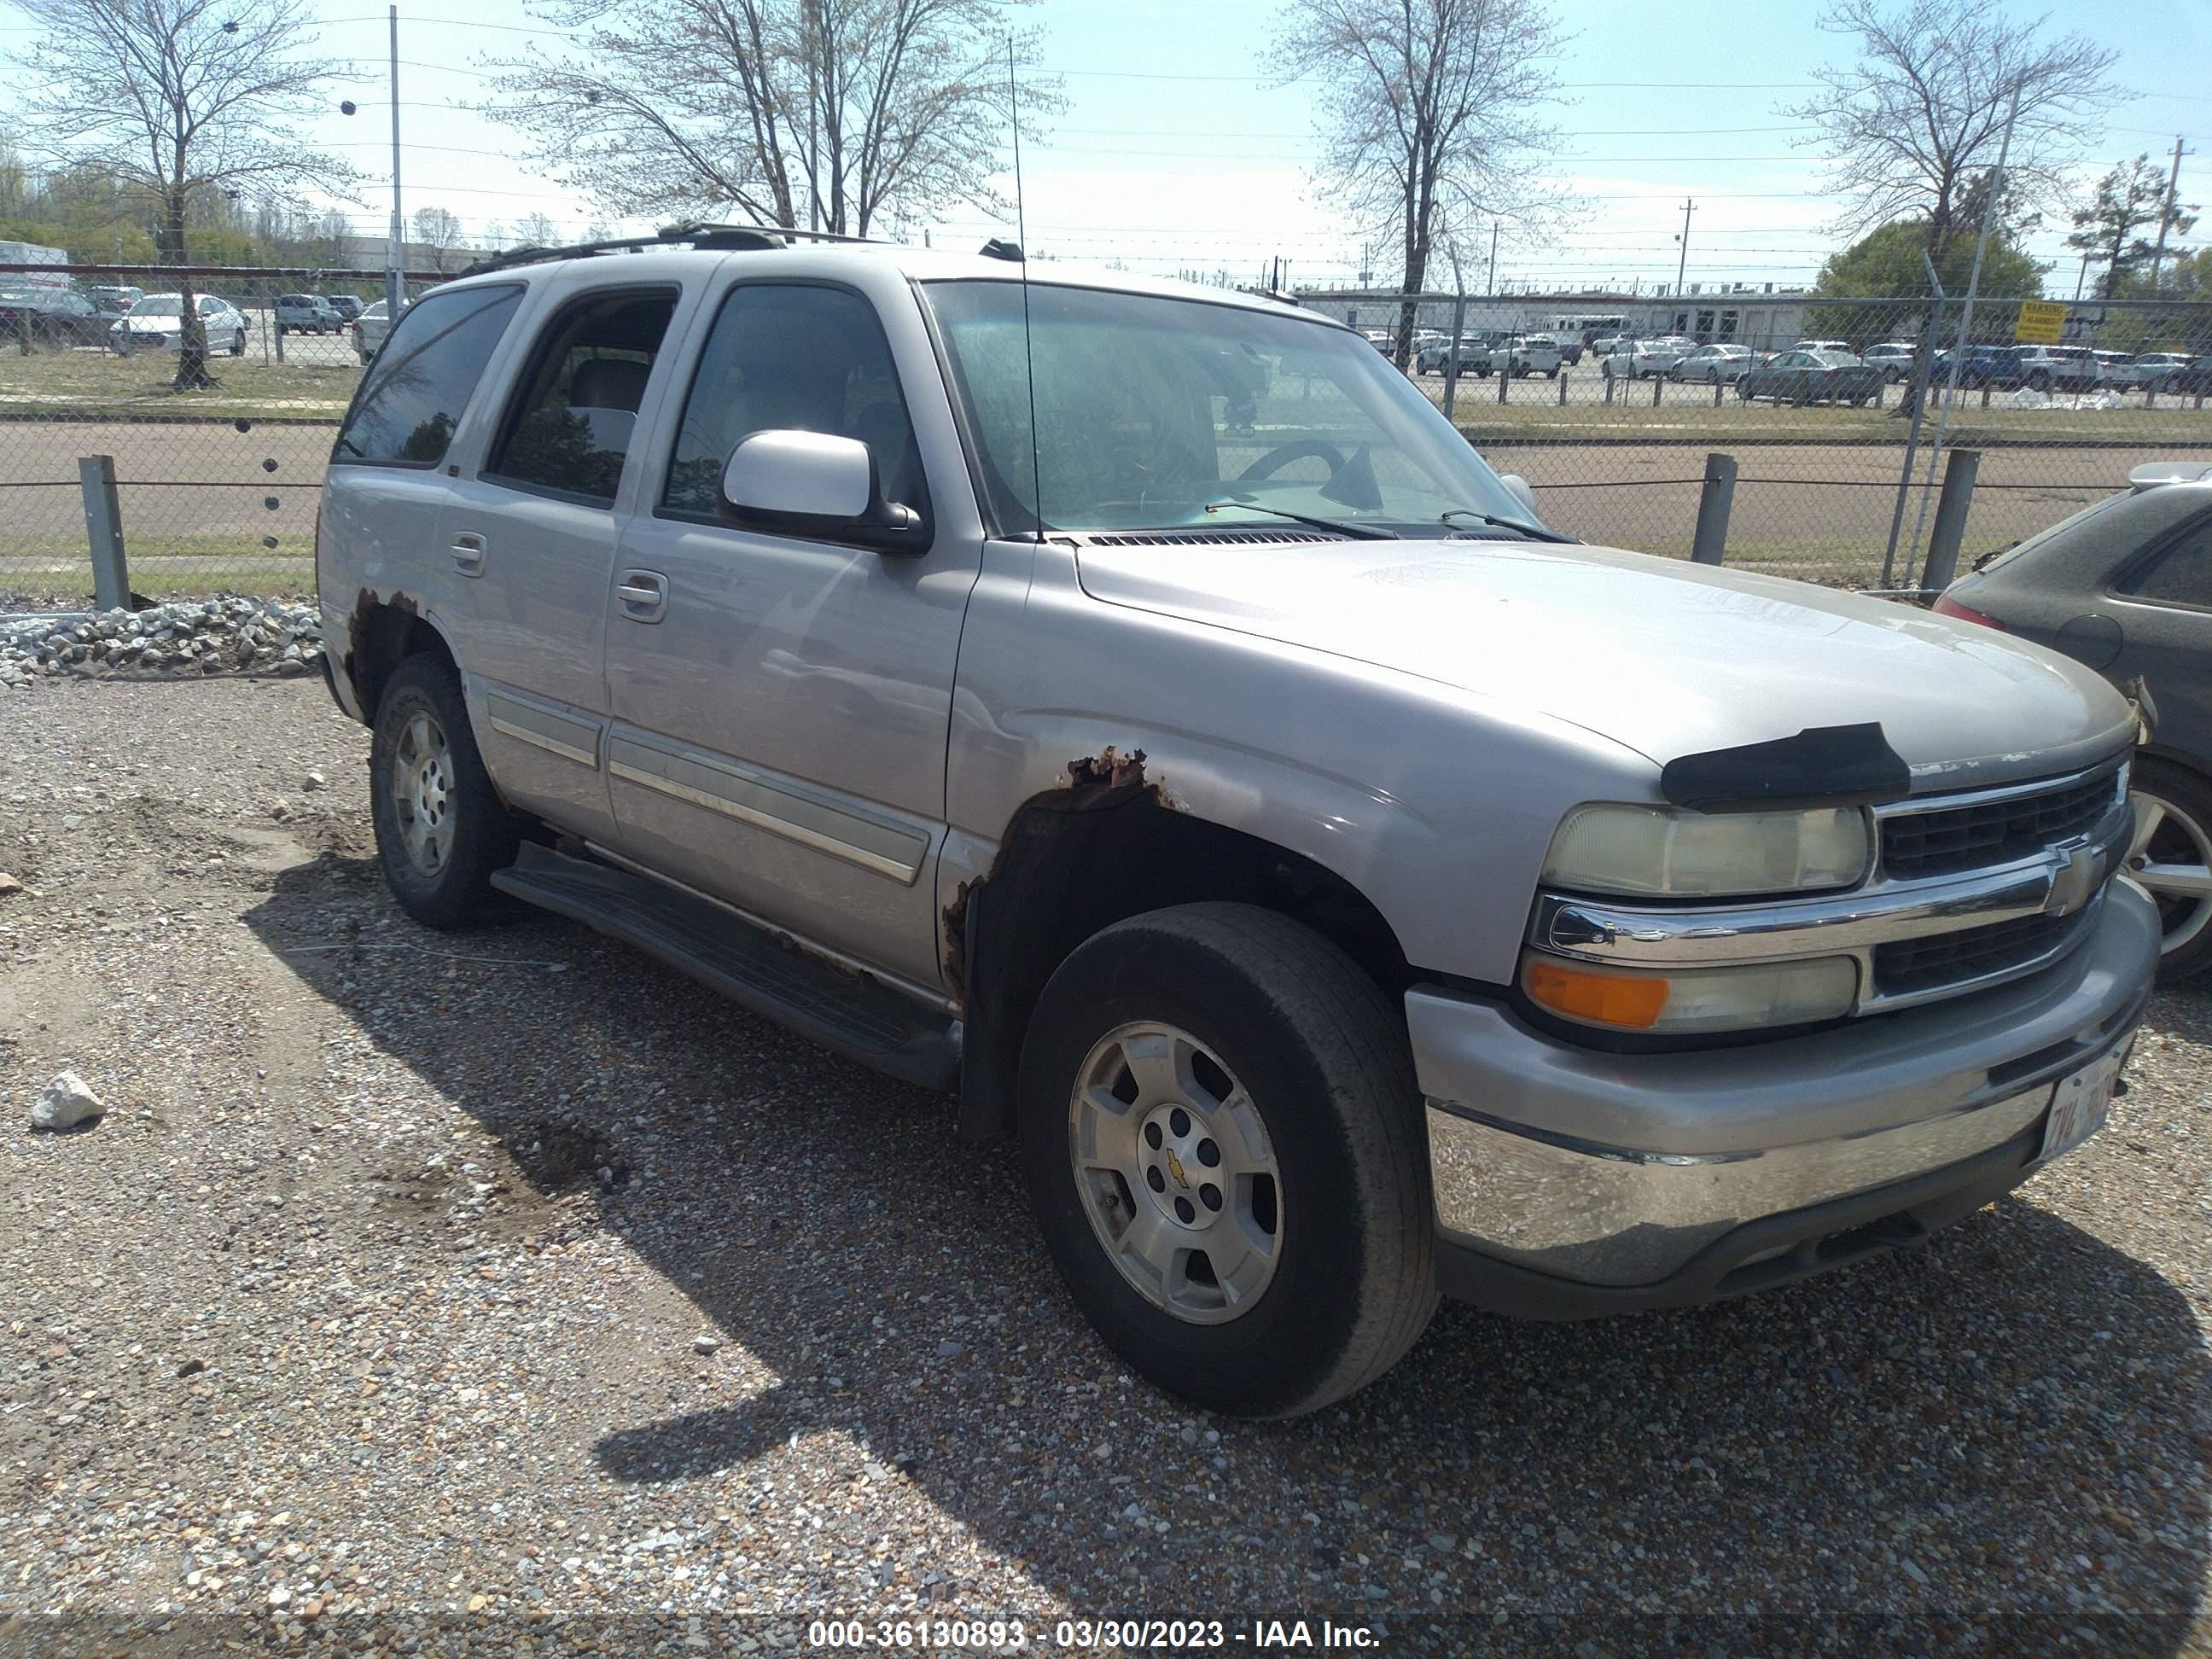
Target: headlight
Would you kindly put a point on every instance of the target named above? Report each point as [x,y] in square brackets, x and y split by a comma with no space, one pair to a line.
[1619,848]
[1688,1000]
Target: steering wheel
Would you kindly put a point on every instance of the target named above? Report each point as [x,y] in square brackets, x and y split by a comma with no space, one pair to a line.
[1297,450]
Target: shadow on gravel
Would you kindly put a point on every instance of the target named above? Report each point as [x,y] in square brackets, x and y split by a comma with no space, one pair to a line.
[2012,1423]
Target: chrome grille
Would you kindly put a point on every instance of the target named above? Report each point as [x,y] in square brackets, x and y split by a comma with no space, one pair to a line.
[1945,839]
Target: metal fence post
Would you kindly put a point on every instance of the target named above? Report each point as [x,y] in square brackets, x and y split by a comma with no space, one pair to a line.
[1713,504]
[1950,519]
[1658,385]
[1563,387]
[1504,374]
[1717,389]
[103,523]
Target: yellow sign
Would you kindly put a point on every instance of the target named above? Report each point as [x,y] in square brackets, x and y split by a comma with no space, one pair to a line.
[2041,322]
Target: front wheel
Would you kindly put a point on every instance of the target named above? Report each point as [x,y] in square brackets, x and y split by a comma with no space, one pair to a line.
[1223,1141]
[2170,858]
[441,829]
[238,343]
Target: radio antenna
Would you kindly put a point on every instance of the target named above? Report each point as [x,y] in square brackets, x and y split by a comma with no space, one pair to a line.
[1029,356]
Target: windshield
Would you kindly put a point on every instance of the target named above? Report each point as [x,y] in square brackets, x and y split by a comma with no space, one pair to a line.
[1148,409]
[161,305]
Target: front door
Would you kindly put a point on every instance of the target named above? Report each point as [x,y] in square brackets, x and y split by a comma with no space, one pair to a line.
[781,703]
[532,533]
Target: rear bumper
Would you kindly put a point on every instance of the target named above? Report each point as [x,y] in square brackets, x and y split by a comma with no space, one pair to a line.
[1571,1181]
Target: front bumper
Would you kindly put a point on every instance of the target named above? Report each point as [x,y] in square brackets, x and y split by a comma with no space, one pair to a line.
[1572,1181]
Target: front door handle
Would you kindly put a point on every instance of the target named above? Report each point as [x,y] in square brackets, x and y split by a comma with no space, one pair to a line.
[644,595]
[469,549]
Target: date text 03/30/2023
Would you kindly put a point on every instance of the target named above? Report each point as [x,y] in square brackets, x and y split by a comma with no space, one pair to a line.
[993,1635]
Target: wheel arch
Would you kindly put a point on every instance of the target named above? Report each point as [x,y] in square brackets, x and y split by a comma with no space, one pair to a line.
[382,631]
[1074,860]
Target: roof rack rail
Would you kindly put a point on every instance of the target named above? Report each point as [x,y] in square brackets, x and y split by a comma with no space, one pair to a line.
[691,234]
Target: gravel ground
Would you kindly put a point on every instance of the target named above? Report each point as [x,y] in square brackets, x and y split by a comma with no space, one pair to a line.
[503,1291]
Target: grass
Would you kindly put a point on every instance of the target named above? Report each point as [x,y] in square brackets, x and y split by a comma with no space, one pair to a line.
[87,383]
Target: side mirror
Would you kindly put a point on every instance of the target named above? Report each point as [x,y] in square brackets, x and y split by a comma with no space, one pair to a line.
[811,483]
[1518,488]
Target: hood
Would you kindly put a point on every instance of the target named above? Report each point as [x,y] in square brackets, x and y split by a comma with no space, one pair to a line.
[150,323]
[1666,657]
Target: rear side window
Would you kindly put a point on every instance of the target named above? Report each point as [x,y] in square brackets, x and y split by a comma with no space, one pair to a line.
[412,397]
[2182,574]
[570,427]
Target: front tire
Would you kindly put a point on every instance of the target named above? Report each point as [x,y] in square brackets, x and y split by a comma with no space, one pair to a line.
[441,829]
[1223,1141]
[2170,858]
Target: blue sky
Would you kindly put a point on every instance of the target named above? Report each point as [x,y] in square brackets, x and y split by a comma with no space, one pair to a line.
[1176,152]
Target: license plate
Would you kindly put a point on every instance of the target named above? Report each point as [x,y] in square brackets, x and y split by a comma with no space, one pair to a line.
[2079,1104]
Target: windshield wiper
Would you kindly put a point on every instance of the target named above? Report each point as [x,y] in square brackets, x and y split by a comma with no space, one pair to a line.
[1365,532]
[1535,533]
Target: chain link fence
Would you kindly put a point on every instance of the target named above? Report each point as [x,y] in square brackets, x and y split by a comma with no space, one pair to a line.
[1836,462]
[1612,420]
[216,488]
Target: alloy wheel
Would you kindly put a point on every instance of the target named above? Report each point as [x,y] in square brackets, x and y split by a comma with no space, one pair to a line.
[2170,858]
[421,793]
[1175,1172]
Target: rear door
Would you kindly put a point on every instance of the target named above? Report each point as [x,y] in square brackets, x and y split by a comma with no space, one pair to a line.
[782,702]
[530,532]
[2163,603]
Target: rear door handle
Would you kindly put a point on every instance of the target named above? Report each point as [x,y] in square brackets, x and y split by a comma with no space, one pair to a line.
[644,595]
[469,551]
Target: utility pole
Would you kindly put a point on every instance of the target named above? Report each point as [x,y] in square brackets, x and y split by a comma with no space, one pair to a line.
[2165,212]
[395,252]
[1682,265]
[2082,277]
[1492,288]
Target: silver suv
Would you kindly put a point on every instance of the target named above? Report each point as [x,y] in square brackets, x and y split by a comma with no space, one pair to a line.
[1132,710]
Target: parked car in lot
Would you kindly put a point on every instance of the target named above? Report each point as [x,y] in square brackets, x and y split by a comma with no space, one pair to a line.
[1978,367]
[348,305]
[2116,371]
[2157,370]
[305,313]
[2044,369]
[367,330]
[2124,588]
[1214,813]
[1844,346]
[156,324]
[1475,348]
[1531,353]
[48,316]
[1812,377]
[1895,358]
[1641,360]
[1709,364]
[112,301]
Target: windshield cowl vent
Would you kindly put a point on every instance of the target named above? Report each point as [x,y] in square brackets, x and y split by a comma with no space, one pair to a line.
[1202,537]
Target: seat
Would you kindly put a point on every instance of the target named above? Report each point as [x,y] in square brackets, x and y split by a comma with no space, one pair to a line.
[604,392]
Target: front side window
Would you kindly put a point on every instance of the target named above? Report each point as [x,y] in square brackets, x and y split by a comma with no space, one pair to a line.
[2182,574]
[412,397]
[1150,410]
[570,427]
[793,357]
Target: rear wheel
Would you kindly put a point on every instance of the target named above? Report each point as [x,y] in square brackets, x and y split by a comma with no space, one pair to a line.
[441,829]
[2171,858]
[1222,1137]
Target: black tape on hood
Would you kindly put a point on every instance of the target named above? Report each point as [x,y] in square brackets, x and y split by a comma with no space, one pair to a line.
[1822,766]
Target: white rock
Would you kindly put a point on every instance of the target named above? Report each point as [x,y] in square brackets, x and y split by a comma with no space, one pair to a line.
[65,1103]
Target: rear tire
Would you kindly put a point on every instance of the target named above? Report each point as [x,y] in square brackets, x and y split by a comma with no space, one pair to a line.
[2179,845]
[441,829]
[1248,1027]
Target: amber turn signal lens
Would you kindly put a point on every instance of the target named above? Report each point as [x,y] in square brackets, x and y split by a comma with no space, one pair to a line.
[1633,1002]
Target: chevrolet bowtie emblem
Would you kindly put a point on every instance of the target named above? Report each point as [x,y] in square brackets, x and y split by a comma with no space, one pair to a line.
[1174,1168]
[2075,882]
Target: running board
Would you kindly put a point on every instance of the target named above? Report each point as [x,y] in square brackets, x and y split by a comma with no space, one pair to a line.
[858,1016]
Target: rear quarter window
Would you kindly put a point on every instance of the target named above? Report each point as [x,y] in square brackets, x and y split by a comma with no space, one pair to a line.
[413,395]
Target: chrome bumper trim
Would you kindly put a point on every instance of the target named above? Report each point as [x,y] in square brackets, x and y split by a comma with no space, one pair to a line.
[1615,1169]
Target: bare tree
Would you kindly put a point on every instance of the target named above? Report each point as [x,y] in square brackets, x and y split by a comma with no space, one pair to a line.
[438,233]
[534,230]
[1431,113]
[176,99]
[825,113]
[1908,126]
